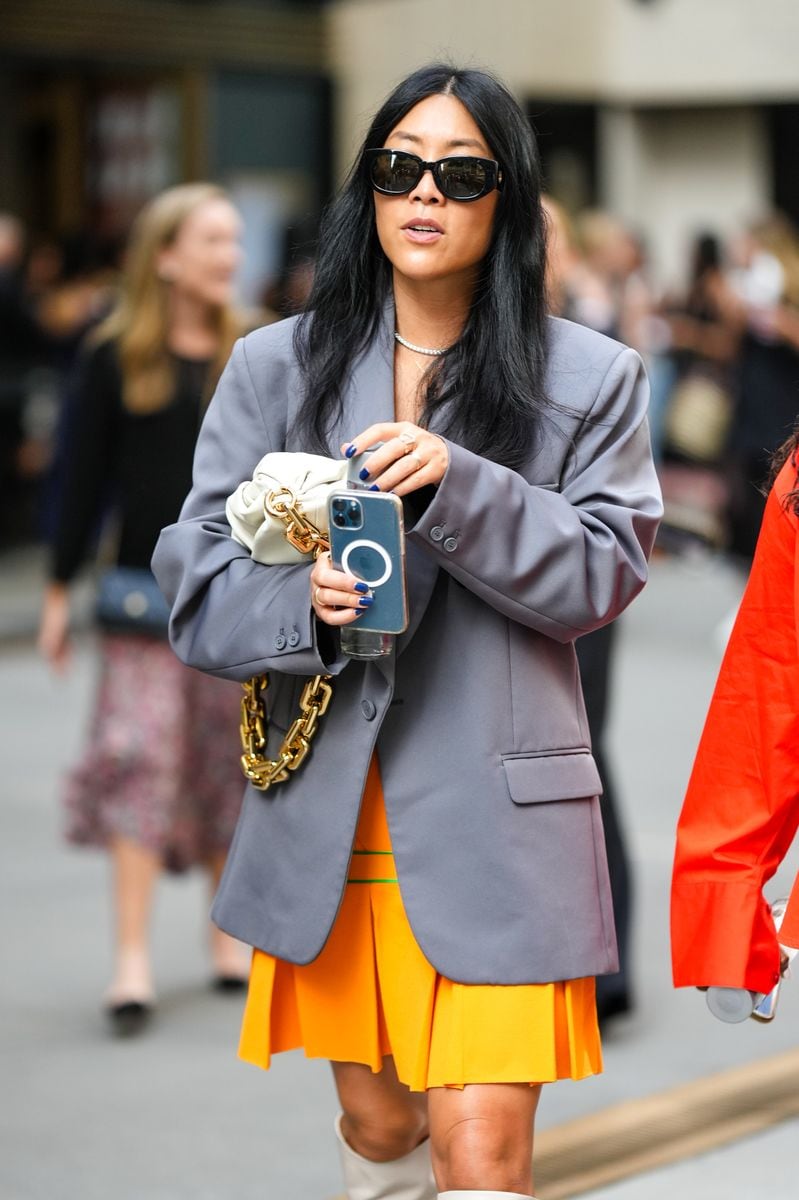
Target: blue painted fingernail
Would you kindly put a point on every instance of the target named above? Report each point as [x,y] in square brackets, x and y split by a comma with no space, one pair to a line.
[349,450]
[362,587]
[359,612]
[375,487]
[363,473]
[365,601]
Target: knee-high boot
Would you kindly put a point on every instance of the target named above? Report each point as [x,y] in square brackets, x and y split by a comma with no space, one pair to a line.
[483,1196]
[406,1178]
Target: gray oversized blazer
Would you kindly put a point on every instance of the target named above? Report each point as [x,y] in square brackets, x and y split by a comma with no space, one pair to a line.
[478,717]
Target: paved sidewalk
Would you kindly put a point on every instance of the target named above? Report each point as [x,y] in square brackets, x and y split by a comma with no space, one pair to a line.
[22,578]
[758,1168]
[174,1116]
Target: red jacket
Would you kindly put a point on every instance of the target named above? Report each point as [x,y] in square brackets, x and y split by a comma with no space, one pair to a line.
[742,806]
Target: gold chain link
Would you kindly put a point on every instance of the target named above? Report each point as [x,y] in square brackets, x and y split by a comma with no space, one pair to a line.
[300,532]
[315,698]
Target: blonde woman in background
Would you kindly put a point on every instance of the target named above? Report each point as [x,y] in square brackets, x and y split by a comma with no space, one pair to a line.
[159,784]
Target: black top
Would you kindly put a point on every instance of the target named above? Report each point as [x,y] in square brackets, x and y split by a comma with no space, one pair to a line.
[137,466]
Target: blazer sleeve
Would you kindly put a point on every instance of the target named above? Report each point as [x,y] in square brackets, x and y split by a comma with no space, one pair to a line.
[561,562]
[231,616]
[741,808]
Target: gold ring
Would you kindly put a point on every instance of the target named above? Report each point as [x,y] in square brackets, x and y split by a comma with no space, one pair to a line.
[419,463]
[316,592]
[409,439]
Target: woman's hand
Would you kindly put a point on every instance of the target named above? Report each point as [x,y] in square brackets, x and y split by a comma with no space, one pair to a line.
[411,457]
[337,598]
[53,640]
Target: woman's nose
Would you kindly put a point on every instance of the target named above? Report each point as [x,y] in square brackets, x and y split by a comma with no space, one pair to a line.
[426,189]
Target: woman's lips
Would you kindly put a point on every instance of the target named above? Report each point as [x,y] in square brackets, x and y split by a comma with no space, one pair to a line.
[422,232]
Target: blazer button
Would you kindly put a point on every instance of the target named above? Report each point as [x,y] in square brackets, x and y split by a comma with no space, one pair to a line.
[294,639]
[451,544]
[280,642]
[437,533]
[368,709]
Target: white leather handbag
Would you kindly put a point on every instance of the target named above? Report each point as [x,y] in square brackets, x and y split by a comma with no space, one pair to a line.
[280,515]
[283,483]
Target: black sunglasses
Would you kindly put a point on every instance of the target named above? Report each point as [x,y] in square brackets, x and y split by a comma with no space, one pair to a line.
[462,177]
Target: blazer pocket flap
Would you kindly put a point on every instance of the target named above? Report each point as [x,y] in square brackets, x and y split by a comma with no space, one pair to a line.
[536,780]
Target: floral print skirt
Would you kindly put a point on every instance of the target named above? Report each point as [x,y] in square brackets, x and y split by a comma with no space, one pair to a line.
[162,762]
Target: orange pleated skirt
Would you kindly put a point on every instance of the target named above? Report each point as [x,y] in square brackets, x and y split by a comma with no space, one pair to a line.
[372,993]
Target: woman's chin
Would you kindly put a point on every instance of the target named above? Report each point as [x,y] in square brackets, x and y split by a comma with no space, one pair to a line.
[426,271]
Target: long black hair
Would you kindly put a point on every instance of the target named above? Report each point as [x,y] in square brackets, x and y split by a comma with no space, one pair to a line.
[494,372]
[788,450]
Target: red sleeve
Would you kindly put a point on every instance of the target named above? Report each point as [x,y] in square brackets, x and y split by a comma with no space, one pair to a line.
[742,806]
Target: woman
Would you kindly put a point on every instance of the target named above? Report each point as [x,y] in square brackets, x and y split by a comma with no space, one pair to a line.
[762,305]
[159,782]
[567,279]
[741,810]
[520,448]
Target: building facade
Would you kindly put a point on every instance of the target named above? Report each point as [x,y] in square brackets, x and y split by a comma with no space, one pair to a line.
[678,115]
[106,102]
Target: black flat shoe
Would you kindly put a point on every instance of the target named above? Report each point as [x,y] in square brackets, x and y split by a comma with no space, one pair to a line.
[228,983]
[129,1017]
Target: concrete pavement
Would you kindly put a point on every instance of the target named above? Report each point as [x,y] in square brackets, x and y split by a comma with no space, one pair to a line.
[751,1169]
[174,1116]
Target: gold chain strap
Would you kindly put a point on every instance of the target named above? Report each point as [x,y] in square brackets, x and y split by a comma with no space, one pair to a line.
[315,699]
[300,532]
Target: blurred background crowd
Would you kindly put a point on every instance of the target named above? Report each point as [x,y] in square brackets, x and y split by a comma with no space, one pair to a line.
[722,353]
[673,195]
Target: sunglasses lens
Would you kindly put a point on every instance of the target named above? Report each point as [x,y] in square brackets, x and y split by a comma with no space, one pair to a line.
[394,172]
[463,178]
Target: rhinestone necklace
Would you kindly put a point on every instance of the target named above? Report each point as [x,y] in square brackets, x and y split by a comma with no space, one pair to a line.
[420,349]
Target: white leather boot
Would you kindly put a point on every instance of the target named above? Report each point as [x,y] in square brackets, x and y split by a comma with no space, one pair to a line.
[406,1178]
[483,1196]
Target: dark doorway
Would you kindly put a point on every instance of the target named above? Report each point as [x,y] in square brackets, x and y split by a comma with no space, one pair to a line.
[567,141]
[784,129]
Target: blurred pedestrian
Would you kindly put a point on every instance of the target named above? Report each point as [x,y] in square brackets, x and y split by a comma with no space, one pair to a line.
[741,810]
[567,275]
[576,288]
[23,348]
[705,347]
[466,754]
[609,259]
[159,782]
[765,304]
[70,286]
[702,334]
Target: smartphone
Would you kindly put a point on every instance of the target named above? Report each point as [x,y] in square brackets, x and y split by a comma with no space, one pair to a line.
[367,539]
